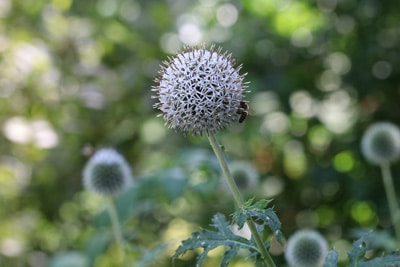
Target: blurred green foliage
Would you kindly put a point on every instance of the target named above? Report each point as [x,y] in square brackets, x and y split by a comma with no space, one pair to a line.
[76,76]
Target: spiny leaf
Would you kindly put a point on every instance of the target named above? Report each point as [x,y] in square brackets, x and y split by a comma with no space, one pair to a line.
[377,239]
[357,252]
[389,260]
[209,240]
[261,204]
[259,212]
[357,256]
[229,254]
[331,260]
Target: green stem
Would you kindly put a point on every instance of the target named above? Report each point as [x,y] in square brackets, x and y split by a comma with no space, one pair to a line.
[116,227]
[391,198]
[239,200]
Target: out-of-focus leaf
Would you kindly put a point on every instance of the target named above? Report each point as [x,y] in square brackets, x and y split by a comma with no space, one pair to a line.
[389,260]
[357,252]
[165,186]
[331,259]
[172,183]
[149,256]
[97,244]
[68,259]
[357,257]
[377,239]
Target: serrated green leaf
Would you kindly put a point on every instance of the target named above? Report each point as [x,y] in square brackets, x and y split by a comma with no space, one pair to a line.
[377,239]
[209,240]
[357,252]
[331,260]
[220,223]
[389,260]
[357,257]
[261,204]
[229,254]
[259,213]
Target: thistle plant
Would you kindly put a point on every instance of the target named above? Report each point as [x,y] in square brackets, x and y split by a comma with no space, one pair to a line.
[107,174]
[380,145]
[306,248]
[200,91]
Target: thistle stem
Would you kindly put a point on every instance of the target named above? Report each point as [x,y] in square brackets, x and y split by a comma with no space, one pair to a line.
[391,198]
[239,200]
[116,227]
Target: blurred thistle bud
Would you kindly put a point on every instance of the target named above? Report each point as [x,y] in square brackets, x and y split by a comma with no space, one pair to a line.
[245,176]
[106,173]
[199,91]
[380,143]
[306,248]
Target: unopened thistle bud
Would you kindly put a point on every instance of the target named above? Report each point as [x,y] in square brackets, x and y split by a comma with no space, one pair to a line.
[107,173]
[381,143]
[306,248]
[199,91]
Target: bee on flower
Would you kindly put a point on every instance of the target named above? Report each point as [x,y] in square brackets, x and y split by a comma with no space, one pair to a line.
[200,91]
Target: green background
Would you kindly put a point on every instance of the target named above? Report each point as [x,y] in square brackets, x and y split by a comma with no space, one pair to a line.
[76,76]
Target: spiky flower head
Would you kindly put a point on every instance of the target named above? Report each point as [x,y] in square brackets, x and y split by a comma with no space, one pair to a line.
[306,248]
[199,91]
[380,143]
[245,176]
[106,173]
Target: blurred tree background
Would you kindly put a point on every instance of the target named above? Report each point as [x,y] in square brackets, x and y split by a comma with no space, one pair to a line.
[77,75]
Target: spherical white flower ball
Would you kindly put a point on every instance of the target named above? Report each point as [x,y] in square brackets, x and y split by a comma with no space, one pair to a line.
[306,248]
[107,173]
[200,91]
[380,143]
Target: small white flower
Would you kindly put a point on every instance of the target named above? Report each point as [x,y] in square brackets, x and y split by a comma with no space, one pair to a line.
[381,143]
[306,248]
[199,91]
[106,173]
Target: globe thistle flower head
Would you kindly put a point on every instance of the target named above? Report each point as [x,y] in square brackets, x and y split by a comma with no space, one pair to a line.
[380,143]
[199,91]
[106,173]
[306,248]
[245,176]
